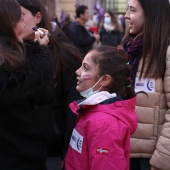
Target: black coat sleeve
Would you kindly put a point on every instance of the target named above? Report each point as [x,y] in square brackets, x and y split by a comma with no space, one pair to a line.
[80,36]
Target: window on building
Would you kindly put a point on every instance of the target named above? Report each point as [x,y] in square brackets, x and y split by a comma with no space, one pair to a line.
[118,6]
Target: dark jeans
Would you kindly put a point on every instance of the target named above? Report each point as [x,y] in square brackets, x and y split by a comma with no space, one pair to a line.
[139,164]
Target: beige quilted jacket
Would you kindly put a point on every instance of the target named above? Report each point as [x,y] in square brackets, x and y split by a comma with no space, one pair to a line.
[152,137]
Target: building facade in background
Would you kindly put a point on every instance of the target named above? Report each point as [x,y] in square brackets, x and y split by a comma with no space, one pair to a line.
[56,7]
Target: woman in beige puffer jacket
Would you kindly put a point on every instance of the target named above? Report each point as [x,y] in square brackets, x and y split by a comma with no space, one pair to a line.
[147,45]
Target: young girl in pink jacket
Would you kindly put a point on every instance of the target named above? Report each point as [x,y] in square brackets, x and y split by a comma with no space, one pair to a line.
[106,116]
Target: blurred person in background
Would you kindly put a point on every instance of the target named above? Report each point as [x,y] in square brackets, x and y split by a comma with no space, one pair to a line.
[110,30]
[121,20]
[56,21]
[78,33]
[95,19]
[92,29]
[66,24]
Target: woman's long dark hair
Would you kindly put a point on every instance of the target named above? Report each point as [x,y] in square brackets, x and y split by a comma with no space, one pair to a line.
[114,62]
[64,52]
[156,31]
[11,50]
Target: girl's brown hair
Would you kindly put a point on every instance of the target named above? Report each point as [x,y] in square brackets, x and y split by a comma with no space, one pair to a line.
[114,62]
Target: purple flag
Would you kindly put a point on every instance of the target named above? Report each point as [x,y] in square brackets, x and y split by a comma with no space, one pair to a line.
[99,9]
[77,3]
[62,16]
[97,5]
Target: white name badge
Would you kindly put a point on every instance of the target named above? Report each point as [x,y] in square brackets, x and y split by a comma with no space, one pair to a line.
[146,85]
[76,141]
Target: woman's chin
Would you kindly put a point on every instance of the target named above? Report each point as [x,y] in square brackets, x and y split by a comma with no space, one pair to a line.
[77,88]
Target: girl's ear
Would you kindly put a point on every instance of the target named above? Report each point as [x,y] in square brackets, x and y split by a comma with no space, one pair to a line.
[106,80]
[38,17]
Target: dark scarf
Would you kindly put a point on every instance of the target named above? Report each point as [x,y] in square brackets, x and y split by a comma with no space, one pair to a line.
[134,49]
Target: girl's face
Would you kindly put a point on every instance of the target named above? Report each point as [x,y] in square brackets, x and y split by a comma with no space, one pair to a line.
[30,21]
[18,29]
[87,74]
[135,17]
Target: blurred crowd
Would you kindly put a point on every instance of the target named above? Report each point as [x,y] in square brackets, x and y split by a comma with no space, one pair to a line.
[110,28]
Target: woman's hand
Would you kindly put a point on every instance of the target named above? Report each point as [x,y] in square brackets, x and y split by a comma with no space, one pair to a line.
[97,36]
[43,39]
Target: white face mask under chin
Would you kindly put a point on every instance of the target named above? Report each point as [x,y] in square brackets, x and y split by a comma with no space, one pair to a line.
[89,92]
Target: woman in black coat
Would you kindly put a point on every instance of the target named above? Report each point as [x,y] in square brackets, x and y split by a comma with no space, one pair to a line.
[25,82]
[67,61]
